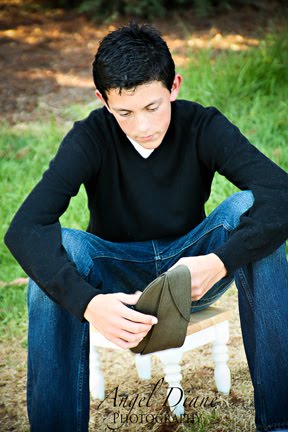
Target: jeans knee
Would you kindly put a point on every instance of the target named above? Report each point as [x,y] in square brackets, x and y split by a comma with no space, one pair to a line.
[38,302]
[71,240]
[237,204]
[34,293]
[241,201]
[76,244]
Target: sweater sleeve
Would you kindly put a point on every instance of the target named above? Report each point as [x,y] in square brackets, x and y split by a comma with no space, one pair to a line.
[264,227]
[34,236]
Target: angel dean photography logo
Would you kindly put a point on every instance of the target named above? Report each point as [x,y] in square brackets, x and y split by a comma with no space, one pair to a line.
[126,407]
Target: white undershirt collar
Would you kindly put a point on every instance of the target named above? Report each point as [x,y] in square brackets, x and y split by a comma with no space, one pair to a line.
[144,152]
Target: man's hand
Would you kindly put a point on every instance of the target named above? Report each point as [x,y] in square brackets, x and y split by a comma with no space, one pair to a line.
[205,271]
[121,325]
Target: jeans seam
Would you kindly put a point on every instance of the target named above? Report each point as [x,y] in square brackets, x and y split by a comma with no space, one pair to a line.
[81,379]
[156,253]
[129,259]
[187,244]
[263,411]
[157,259]
[242,280]
[190,243]
[85,274]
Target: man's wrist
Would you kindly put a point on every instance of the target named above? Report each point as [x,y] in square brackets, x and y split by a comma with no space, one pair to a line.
[221,269]
[88,312]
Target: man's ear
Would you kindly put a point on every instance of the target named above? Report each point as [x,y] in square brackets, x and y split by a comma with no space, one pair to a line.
[175,87]
[100,97]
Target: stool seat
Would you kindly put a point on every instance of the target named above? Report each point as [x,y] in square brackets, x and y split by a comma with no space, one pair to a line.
[210,325]
[207,318]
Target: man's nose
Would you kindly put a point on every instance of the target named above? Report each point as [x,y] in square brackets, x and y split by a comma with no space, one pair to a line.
[142,123]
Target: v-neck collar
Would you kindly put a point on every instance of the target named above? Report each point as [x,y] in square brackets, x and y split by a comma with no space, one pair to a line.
[144,152]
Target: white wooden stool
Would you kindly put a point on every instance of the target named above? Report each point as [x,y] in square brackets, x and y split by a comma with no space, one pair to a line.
[207,326]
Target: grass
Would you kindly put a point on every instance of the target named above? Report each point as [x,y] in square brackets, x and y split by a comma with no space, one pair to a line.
[251,88]
[13,313]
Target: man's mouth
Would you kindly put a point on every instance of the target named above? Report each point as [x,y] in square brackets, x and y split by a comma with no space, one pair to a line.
[146,138]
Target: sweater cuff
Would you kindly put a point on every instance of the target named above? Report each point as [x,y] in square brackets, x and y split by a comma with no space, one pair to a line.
[78,306]
[233,254]
[72,292]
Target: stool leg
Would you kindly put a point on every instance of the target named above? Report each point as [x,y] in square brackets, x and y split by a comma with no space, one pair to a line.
[96,379]
[171,365]
[220,356]
[143,366]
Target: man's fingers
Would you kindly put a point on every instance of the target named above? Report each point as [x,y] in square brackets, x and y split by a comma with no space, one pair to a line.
[125,344]
[132,315]
[138,317]
[125,339]
[130,299]
[135,327]
[131,337]
[111,316]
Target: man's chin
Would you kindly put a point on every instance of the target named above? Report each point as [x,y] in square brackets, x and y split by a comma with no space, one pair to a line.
[150,144]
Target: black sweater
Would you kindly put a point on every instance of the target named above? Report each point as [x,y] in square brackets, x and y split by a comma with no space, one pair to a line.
[133,199]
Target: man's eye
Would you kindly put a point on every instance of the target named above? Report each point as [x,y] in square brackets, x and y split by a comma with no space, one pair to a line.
[124,114]
[152,109]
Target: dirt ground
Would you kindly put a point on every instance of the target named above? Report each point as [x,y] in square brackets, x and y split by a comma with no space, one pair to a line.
[234,413]
[46,64]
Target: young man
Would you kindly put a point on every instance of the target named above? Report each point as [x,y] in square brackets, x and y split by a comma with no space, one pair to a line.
[147,162]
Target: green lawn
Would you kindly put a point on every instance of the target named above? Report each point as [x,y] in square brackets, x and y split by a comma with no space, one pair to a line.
[250,87]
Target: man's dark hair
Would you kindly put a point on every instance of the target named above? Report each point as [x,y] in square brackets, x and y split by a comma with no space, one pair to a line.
[130,56]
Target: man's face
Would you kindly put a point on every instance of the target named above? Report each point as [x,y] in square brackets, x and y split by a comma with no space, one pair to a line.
[143,113]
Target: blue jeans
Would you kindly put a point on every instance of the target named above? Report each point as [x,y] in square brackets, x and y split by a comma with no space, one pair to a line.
[58,344]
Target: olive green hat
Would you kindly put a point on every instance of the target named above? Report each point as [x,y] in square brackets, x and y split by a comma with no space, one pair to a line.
[169,299]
